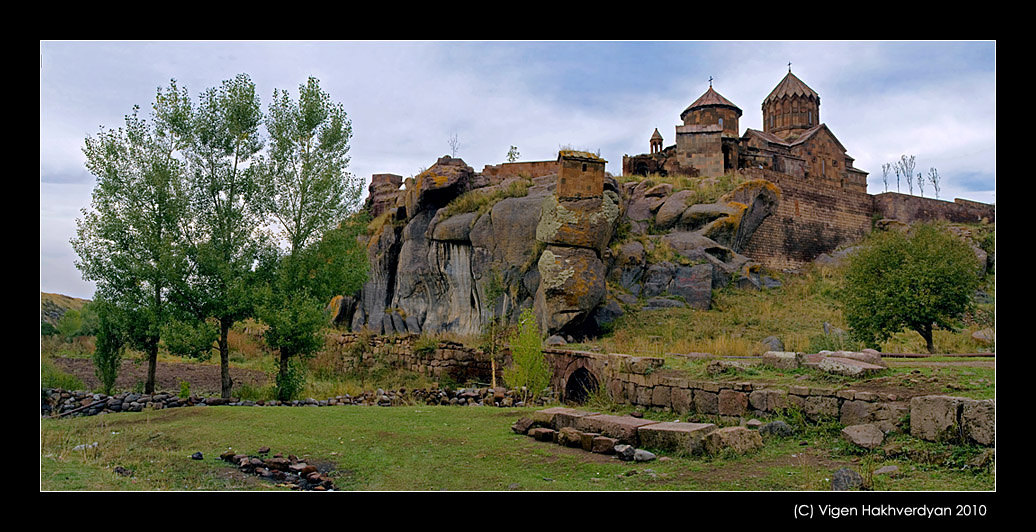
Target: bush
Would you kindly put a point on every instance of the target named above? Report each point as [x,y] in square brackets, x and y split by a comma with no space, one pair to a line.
[529,368]
[52,377]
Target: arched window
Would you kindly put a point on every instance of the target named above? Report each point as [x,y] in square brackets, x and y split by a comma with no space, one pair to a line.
[811,118]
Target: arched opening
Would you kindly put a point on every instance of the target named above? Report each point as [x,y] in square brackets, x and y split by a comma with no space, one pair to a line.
[581,384]
[641,169]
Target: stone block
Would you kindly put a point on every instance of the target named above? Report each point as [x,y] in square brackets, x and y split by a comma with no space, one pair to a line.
[661,396]
[603,445]
[675,436]
[978,421]
[570,437]
[731,403]
[737,439]
[622,428]
[559,417]
[542,434]
[587,440]
[768,400]
[781,359]
[935,417]
[820,406]
[847,367]
[682,400]
[706,402]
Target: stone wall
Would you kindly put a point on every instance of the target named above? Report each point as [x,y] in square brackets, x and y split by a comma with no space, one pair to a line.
[813,217]
[355,351]
[498,172]
[908,209]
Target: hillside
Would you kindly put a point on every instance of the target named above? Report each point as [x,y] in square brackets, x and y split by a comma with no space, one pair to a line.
[54,306]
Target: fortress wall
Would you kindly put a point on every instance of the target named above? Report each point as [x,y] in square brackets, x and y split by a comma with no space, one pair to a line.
[908,209]
[498,172]
[813,217]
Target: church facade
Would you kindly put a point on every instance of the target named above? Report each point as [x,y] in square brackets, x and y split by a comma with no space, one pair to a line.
[793,141]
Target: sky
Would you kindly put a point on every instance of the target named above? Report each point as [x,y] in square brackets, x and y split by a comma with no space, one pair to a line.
[406,99]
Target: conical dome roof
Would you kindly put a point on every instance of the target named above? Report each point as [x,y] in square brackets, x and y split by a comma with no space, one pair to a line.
[656,135]
[791,86]
[709,99]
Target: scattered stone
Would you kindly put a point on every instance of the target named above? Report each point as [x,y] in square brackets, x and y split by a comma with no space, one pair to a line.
[847,367]
[264,450]
[122,471]
[777,428]
[866,436]
[782,359]
[624,452]
[522,426]
[886,470]
[640,455]
[736,439]
[983,460]
[753,424]
[846,479]
[196,456]
[556,340]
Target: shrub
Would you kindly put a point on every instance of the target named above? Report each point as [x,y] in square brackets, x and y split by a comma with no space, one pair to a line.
[529,369]
[52,377]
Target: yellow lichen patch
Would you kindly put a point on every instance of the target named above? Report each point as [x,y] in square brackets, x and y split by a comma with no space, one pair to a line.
[579,154]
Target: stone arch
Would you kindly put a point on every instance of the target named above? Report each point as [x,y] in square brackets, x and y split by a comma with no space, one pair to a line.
[579,385]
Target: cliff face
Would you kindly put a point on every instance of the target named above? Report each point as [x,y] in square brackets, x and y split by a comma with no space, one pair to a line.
[437,244]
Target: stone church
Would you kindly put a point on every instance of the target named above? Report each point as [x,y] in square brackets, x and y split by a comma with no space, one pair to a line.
[793,141]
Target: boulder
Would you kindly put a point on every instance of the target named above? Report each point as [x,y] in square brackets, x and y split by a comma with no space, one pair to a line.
[777,428]
[935,417]
[586,223]
[572,284]
[846,479]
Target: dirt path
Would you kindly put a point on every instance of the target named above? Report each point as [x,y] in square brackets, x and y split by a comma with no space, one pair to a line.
[204,379]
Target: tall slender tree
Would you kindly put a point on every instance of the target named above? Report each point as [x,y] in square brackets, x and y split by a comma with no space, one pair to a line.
[226,210]
[128,243]
[310,194]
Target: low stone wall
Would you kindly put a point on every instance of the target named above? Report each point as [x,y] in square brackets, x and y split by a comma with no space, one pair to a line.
[356,351]
[909,209]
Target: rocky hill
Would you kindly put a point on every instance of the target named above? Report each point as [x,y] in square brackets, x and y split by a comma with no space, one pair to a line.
[54,306]
[436,245]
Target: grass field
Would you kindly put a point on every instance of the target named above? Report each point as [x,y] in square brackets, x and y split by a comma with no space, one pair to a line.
[423,448]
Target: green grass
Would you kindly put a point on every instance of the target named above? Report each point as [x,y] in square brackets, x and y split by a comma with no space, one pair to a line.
[425,448]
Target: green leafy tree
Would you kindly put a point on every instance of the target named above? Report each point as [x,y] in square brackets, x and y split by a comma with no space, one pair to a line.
[300,285]
[918,280]
[310,194]
[512,154]
[219,140]
[110,346]
[70,324]
[129,242]
[305,175]
[529,369]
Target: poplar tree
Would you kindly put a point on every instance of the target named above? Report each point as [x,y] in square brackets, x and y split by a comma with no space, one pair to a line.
[128,243]
[310,195]
[220,141]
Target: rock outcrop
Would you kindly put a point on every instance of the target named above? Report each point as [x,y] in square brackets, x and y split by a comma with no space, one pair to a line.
[434,256]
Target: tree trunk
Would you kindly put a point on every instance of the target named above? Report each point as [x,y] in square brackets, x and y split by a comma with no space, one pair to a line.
[226,383]
[152,362]
[926,333]
[283,371]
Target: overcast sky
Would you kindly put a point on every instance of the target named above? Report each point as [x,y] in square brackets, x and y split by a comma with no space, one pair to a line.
[935,100]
